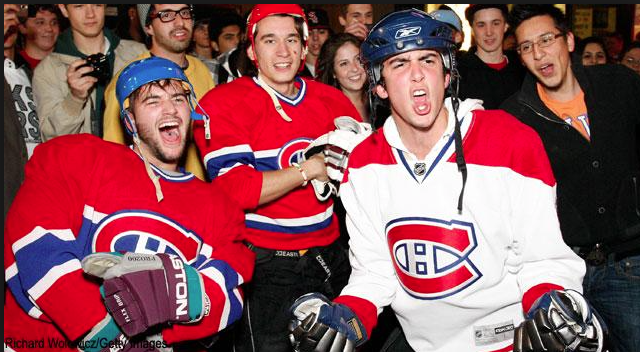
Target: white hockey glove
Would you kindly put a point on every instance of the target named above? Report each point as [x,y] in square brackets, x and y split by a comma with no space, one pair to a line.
[336,147]
[348,134]
[560,321]
[320,326]
[323,190]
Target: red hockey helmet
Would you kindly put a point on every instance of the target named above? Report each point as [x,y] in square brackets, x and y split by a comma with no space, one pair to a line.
[261,11]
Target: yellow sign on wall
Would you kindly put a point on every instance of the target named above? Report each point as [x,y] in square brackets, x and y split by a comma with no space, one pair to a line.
[583,22]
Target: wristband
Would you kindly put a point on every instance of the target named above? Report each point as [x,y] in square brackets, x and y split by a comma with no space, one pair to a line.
[304,175]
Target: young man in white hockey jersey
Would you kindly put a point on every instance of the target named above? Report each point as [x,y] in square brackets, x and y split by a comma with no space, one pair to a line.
[115,248]
[451,217]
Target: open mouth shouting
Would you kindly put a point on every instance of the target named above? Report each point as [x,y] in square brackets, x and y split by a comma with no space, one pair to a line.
[420,102]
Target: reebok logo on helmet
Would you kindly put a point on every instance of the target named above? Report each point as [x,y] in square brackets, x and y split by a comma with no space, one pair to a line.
[407,32]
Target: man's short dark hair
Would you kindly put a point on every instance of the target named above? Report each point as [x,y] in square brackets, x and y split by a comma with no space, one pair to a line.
[33,9]
[520,13]
[471,10]
[221,19]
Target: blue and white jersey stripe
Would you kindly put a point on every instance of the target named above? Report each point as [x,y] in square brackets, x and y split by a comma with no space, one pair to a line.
[292,225]
[45,256]
[228,280]
[267,160]
[219,162]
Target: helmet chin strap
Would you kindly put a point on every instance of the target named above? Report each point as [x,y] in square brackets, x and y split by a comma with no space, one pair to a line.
[457,134]
[152,175]
[274,98]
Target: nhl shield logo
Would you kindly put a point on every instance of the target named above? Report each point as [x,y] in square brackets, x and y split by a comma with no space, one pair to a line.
[431,256]
[291,152]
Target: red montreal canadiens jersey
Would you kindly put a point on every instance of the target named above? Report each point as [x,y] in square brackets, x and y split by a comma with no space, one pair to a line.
[83,195]
[457,282]
[248,137]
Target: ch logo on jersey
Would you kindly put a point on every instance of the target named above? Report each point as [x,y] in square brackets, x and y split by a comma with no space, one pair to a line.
[145,232]
[431,256]
[291,152]
[407,32]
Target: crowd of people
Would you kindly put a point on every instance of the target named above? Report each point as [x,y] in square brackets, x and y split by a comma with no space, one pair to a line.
[290,186]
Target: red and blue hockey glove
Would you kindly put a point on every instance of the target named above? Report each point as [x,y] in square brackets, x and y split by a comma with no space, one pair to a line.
[560,321]
[320,325]
[143,290]
[106,336]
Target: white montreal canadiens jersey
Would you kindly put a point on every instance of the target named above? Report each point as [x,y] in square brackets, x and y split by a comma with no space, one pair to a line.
[455,281]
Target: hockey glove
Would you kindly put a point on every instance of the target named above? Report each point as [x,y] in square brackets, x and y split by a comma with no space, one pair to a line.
[560,321]
[341,142]
[320,325]
[322,189]
[107,337]
[336,147]
[142,290]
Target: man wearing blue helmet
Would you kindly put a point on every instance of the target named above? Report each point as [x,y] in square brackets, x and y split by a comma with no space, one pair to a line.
[450,213]
[124,262]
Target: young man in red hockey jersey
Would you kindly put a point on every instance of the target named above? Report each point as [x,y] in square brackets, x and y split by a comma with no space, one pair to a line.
[109,247]
[451,218]
[259,128]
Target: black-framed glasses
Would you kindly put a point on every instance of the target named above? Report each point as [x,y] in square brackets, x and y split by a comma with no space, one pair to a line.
[631,61]
[543,41]
[169,15]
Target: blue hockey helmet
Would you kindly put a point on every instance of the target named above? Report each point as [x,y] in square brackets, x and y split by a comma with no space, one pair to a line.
[404,31]
[147,70]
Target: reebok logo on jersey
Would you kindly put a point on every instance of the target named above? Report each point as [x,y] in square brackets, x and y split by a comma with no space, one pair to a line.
[493,333]
[140,258]
[501,329]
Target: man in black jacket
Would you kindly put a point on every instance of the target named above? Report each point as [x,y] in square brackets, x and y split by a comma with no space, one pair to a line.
[587,118]
[486,71]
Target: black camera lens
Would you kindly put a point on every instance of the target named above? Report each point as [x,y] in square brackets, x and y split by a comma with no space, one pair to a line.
[100,64]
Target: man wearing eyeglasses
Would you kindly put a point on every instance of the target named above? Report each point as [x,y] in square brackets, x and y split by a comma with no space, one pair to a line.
[168,29]
[587,118]
[631,57]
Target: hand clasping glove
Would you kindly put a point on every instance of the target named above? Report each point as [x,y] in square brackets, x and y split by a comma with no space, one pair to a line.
[336,146]
[560,321]
[320,325]
[142,290]
[341,142]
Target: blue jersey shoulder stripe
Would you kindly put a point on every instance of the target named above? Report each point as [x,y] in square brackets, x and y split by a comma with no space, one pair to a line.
[19,294]
[267,164]
[214,165]
[218,269]
[293,230]
[43,255]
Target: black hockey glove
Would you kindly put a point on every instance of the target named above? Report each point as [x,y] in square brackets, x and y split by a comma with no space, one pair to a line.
[560,321]
[320,326]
